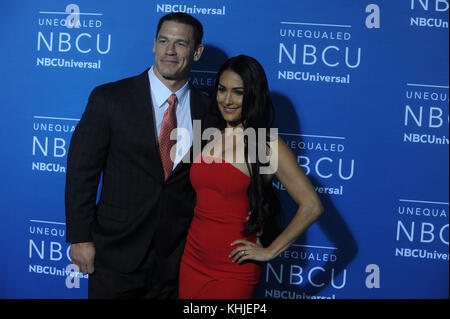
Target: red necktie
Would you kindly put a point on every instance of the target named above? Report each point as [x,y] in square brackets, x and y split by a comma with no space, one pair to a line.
[165,143]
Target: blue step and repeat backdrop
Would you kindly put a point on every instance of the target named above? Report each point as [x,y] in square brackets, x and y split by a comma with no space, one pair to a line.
[361,92]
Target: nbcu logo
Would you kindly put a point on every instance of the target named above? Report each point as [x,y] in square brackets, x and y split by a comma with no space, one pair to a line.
[84,42]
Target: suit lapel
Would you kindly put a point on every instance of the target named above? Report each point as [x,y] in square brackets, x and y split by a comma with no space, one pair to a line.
[197,106]
[143,102]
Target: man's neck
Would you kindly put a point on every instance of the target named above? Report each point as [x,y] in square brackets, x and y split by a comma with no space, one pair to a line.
[173,85]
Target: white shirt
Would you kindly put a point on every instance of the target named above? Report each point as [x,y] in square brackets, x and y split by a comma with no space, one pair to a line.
[160,93]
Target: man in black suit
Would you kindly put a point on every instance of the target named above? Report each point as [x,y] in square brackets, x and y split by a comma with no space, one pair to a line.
[131,241]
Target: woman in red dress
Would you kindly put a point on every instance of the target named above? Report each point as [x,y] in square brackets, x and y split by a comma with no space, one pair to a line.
[223,257]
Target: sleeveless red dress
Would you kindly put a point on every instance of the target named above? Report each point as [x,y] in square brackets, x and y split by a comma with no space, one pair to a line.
[206,271]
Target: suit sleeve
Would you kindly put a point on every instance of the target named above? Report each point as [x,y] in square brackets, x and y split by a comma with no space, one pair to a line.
[85,161]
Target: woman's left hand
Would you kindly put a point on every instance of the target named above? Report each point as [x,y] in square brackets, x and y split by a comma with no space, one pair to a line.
[249,251]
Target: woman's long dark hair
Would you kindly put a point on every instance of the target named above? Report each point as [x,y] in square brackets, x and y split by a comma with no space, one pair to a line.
[257,112]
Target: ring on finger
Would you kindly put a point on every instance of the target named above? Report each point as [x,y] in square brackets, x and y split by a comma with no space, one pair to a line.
[243,252]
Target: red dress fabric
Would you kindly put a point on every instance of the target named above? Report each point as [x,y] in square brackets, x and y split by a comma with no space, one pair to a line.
[206,271]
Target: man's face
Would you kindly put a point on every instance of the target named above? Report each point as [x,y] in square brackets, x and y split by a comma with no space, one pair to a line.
[175,51]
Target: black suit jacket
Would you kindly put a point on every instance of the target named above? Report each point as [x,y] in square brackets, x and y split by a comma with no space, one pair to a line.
[137,209]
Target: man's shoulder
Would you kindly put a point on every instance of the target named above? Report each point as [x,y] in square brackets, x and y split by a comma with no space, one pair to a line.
[203,95]
[123,84]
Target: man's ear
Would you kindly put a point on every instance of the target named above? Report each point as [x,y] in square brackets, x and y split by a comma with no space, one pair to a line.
[198,52]
[154,45]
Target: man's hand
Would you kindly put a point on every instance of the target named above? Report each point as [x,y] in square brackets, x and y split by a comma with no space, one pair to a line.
[82,255]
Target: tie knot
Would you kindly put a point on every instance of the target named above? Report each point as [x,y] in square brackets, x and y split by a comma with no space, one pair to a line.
[172,99]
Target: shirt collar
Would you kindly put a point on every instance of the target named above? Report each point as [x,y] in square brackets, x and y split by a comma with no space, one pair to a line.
[162,92]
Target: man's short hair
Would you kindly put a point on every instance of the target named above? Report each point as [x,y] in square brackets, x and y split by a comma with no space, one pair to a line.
[185,18]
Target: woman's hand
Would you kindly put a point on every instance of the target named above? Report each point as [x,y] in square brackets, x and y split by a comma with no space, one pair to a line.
[250,251]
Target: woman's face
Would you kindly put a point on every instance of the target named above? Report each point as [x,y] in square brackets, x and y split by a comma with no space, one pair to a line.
[230,94]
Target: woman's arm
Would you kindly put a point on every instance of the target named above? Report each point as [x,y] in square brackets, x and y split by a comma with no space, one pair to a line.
[301,190]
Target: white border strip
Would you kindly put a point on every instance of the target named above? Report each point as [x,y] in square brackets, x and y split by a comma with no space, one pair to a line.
[422,201]
[310,246]
[428,85]
[318,136]
[318,24]
[46,222]
[80,13]
[54,118]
